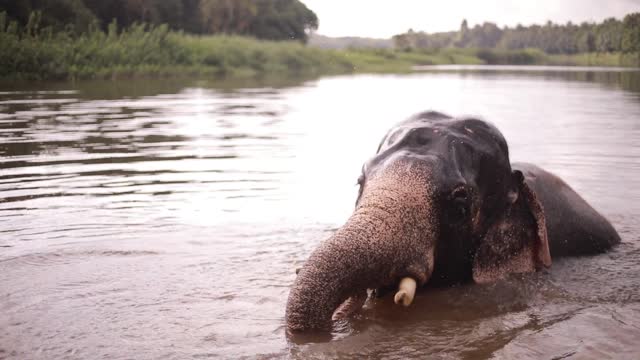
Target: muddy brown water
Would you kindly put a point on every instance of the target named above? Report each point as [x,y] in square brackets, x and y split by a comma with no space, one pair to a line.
[165,219]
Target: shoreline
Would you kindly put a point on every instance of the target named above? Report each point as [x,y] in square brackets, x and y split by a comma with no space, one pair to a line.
[284,79]
[143,53]
[524,68]
[212,73]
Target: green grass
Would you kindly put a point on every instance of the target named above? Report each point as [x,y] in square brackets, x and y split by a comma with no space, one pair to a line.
[158,52]
[596,59]
[537,57]
[391,61]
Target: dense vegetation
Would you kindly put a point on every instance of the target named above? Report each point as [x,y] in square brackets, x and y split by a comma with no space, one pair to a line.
[62,39]
[152,51]
[264,19]
[144,50]
[611,35]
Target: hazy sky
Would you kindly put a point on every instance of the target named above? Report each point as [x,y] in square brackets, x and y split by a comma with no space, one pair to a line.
[385,18]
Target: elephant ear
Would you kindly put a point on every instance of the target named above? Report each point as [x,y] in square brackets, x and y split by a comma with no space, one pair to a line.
[517,241]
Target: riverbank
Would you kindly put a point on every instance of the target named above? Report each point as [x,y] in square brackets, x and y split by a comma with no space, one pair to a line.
[158,52]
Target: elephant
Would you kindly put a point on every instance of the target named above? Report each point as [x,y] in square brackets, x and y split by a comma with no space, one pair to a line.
[439,204]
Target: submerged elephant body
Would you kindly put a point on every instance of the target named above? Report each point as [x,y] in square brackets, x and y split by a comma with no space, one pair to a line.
[440,203]
[573,226]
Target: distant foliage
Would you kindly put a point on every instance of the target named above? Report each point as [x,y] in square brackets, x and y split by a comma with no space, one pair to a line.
[611,35]
[265,19]
[349,42]
[58,14]
[631,33]
[34,52]
[31,52]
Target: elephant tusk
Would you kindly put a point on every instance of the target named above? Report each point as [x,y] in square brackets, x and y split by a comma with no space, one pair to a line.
[406,292]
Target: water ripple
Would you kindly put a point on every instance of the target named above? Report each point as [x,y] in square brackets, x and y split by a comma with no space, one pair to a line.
[168,220]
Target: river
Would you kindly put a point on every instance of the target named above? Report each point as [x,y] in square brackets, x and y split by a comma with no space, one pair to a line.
[165,219]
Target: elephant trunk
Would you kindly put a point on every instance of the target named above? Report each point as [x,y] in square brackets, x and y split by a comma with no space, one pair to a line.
[390,236]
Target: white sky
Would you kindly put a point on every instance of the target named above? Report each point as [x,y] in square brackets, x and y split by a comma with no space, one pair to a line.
[383,19]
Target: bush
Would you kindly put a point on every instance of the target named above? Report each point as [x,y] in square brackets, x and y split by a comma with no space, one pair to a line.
[511,57]
[148,50]
[142,50]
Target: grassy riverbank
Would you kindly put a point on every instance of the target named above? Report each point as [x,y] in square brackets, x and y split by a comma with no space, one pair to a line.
[538,57]
[158,52]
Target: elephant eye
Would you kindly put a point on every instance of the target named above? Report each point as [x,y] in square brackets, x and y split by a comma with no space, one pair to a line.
[460,194]
[361,187]
[460,204]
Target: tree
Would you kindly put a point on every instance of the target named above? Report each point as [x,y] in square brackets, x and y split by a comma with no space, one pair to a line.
[550,38]
[463,35]
[609,35]
[631,33]
[227,16]
[283,20]
[57,14]
[267,19]
[403,41]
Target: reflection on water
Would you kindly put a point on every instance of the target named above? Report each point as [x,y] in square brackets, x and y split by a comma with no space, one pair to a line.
[166,218]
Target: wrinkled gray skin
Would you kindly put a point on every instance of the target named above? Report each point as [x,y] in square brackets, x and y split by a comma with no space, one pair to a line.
[441,203]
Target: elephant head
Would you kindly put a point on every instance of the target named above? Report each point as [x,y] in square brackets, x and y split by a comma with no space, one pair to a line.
[438,203]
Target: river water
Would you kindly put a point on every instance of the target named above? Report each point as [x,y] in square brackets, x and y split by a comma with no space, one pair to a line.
[165,219]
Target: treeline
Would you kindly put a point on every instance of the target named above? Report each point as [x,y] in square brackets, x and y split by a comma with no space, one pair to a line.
[148,51]
[609,36]
[155,51]
[264,19]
